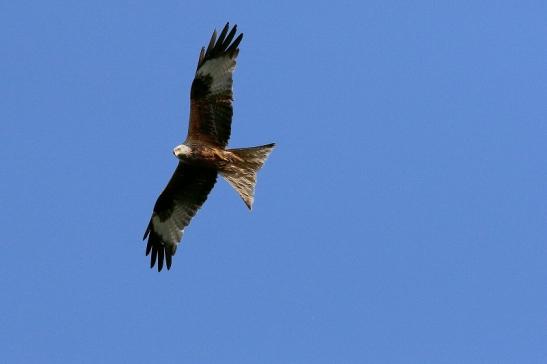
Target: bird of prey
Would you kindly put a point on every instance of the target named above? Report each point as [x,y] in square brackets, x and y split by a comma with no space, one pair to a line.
[203,155]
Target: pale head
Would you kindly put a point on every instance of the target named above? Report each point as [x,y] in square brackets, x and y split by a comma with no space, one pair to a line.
[182,151]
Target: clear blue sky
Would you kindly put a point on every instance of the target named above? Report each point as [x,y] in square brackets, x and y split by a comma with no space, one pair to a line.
[401,219]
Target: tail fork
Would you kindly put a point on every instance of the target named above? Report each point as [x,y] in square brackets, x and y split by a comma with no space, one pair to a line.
[241,173]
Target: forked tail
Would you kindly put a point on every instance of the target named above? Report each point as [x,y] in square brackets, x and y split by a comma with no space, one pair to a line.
[241,173]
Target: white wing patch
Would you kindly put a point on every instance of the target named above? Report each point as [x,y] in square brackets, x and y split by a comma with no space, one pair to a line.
[167,230]
[220,70]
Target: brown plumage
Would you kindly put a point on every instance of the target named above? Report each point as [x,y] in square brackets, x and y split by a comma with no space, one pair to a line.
[203,155]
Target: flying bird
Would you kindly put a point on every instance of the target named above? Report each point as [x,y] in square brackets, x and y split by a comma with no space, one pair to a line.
[203,155]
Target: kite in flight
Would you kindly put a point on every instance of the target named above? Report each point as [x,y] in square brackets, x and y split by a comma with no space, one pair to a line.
[203,155]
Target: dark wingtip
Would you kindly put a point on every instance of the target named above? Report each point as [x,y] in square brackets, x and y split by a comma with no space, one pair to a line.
[201,56]
[168,260]
[230,36]
[154,256]
[235,44]
[221,37]
[161,252]
[222,44]
[211,42]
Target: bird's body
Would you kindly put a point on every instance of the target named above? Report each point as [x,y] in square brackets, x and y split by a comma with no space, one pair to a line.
[203,155]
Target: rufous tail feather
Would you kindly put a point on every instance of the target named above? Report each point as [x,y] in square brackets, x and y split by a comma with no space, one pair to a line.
[241,173]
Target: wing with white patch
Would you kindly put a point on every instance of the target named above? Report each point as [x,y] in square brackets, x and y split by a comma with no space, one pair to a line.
[178,203]
[211,95]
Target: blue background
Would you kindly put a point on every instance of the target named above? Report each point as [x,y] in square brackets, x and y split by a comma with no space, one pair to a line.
[401,219]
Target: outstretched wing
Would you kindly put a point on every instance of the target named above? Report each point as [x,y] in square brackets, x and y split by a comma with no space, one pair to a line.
[211,94]
[178,203]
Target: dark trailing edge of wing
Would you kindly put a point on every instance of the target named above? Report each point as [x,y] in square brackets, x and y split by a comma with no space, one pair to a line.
[221,46]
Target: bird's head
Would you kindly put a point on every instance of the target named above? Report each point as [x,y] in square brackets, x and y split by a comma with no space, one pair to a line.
[182,151]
